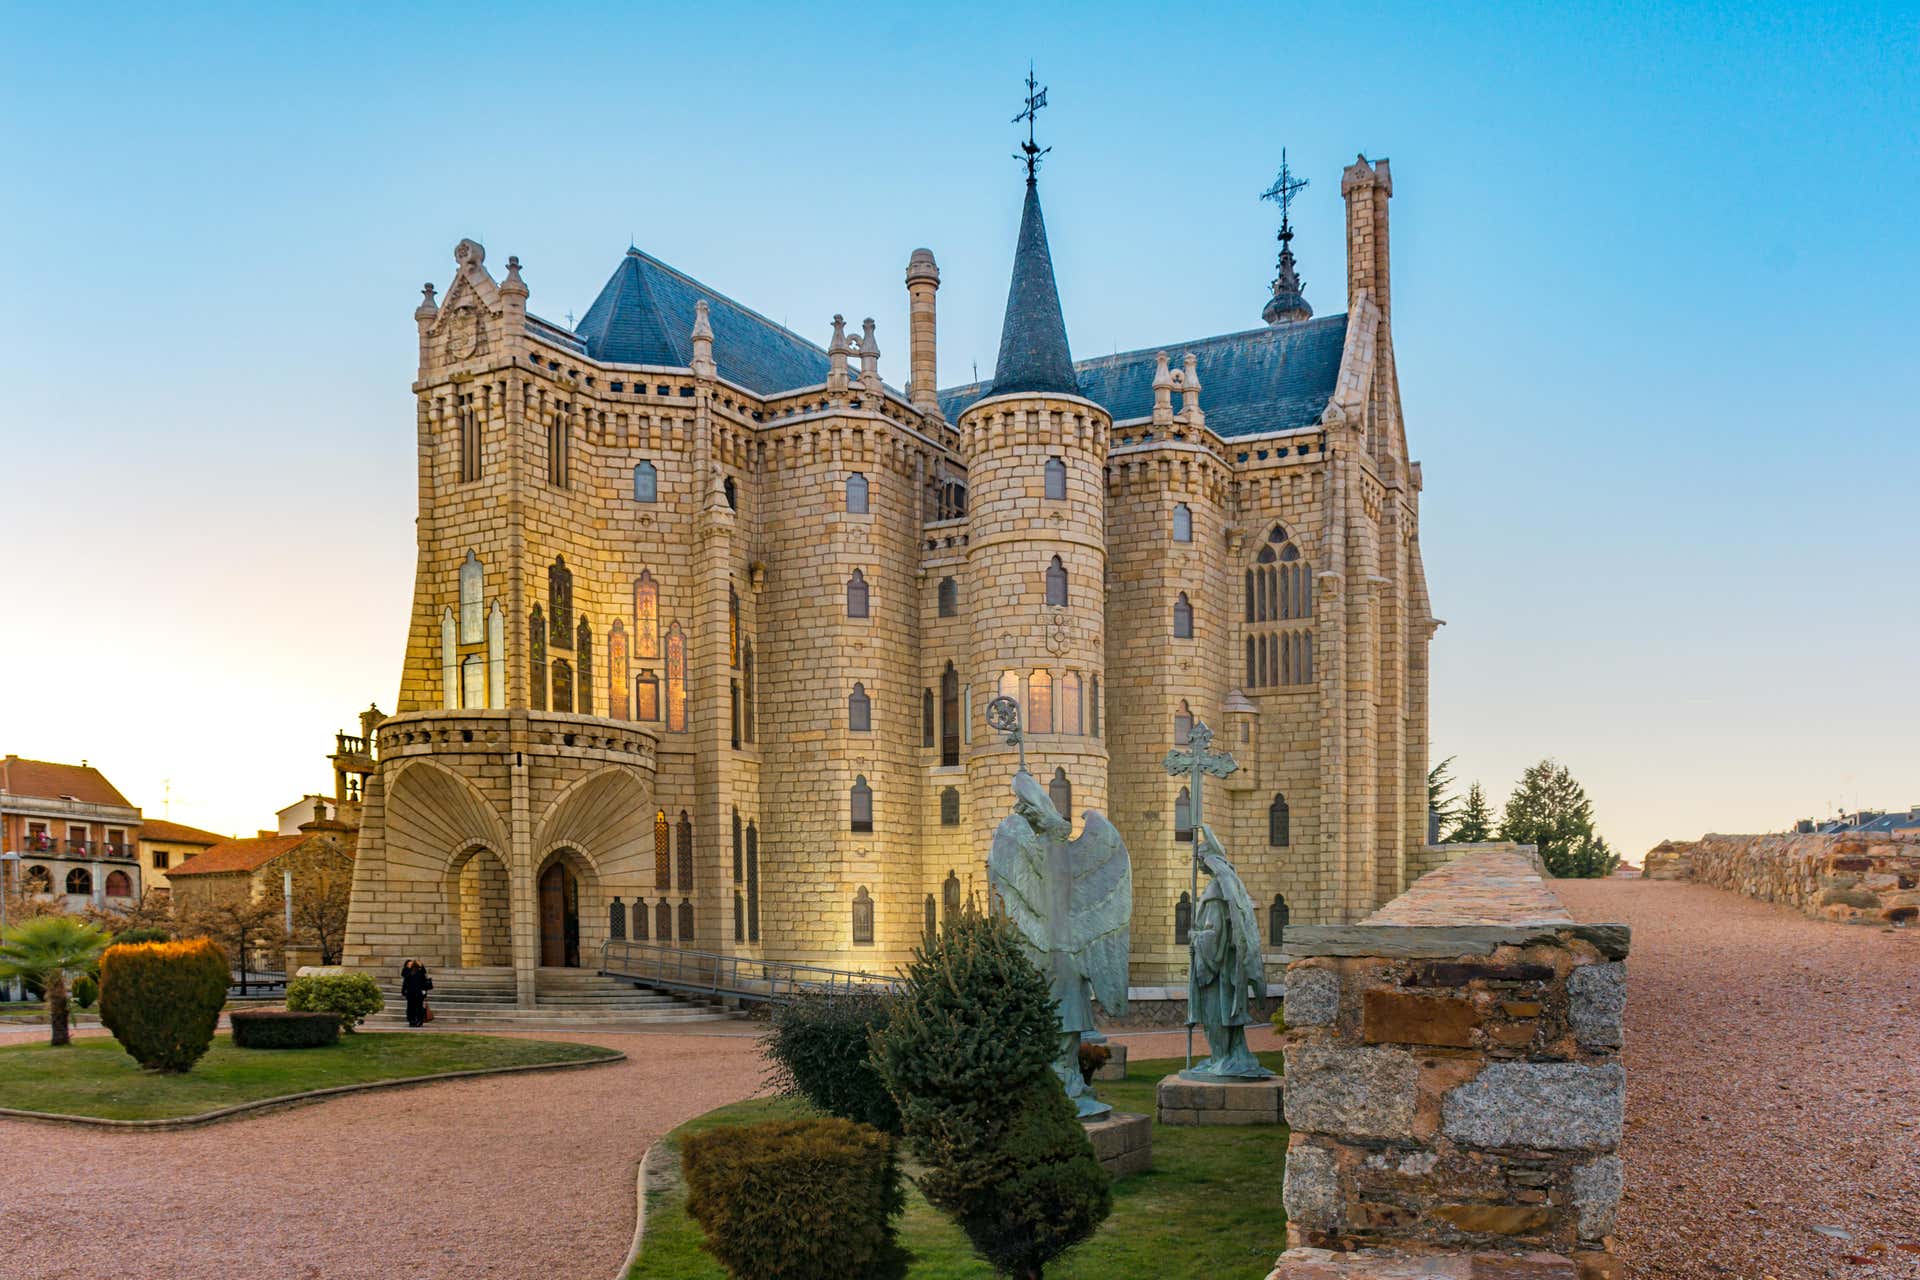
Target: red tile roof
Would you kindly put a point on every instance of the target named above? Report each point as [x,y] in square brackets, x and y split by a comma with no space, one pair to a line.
[238,855]
[44,780]
[176,832]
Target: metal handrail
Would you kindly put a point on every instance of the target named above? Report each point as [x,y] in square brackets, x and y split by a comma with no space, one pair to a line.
[740,977]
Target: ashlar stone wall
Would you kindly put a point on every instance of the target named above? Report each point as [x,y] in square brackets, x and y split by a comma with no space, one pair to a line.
[1453,1078]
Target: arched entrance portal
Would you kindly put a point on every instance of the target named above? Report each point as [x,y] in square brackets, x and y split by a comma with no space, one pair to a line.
[480,910]
[559,916]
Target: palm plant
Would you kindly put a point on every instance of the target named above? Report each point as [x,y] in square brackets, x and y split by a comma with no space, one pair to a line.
[46,949]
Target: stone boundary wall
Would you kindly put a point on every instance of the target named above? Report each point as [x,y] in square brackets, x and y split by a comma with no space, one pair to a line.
[1453,1083]
[1848,877]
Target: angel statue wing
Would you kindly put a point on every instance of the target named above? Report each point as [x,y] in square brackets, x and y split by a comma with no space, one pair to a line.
[1102,909]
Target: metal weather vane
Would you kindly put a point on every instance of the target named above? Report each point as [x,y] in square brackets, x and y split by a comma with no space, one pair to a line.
[1030,150]
[1285,187]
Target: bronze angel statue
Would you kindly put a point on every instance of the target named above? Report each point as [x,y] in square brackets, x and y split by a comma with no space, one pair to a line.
[1071,901]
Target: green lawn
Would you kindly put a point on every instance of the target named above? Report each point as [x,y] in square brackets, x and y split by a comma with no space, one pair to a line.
[1209,1206]
[95,1077]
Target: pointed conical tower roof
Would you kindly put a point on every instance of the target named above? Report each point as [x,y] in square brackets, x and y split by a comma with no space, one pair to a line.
[1033,337]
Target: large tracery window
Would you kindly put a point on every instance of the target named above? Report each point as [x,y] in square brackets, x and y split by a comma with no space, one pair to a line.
[1279,614]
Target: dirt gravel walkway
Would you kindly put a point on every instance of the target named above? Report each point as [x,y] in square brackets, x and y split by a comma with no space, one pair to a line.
[518,1176]
[1773,1088]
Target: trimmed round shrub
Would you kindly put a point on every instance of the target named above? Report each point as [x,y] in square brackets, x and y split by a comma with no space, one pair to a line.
[85,991]
[162,1000]
[820,1048]
[283,1029]
[354,996]
[809,1199]
[141,933]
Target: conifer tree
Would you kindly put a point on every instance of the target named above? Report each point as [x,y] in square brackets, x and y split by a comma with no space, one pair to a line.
[1550,811]
[1440,804]
[1476,822]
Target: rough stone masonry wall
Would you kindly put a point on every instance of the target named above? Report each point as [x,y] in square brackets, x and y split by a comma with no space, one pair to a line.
[1453,1080]
[1848,877]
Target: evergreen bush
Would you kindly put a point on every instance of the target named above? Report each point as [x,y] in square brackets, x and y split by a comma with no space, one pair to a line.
[85,991]
[142,933]
[354,996]
[967,1056]
[808,1199]
[284,1029]
[161,1000]
[820,1048]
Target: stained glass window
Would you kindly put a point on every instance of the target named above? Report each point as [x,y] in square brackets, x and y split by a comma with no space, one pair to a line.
[1279,915]
[663,920]
[472,591]
[646,616]
[676,680]
[560,602]
[753,883]
[1067,714]
[537,660]
[562,685]
[1183,921]
[583,646]
[617,686]
[739,849]
[746,672]
[733,626]
[662,852]
[646,697]
[862,918]
[683,850]
[926,719]
[1040,702]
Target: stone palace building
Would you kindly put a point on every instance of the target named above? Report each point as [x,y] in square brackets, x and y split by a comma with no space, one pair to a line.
[706,618]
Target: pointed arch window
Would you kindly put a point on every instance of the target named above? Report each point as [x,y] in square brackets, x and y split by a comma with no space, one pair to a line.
[1279,916]
[1279,823]
[562,685]
[1040,701]
[856,494]
[646,616]
[1056,483]
[1056,582]
[662,852]
[747,683]
[646,696]
[739,917]
[537,660]
[1067,710]
[497,657]
[950,895]
[686,920]
[676,680]
[1279,590]
[683,851]
[1060,791]
[583,653]
[472,603]
[950,807]
[663,920]
[926,719]
[449,660]
[1183,921]
[857,595]
[949,717]
[642,921]
[617,686]
[862,918]
[560,602]
[949,597]
[470,456]
[1182,617]
[931,924]
[559,447]
[1182,723]
[1182,522]
[753,882]
[617,919]
[860,805]
[739,849]
[646,482]
[859,710]
[1182,816]
[473,680]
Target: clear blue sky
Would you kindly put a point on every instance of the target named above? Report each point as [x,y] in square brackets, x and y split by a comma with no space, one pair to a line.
[1654,270]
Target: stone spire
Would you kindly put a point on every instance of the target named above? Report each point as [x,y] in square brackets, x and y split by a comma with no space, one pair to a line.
[1033,337]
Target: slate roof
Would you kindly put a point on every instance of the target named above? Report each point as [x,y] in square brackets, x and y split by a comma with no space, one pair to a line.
[1269,379]
[45,780]
[1033,335]
[644,315]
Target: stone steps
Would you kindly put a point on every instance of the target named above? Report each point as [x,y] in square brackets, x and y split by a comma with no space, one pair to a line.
[567,999]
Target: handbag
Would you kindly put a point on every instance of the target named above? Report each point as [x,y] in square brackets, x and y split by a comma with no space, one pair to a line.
[426,1012]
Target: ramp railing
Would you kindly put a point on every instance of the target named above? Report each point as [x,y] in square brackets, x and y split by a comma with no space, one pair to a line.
[672,968]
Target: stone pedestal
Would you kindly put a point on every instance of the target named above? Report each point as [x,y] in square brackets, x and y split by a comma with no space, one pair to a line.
[1219,1101]
[1116,1067]
[1122,1141]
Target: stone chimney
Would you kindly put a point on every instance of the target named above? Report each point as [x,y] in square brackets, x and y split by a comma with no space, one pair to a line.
[923,282]
[1367,188]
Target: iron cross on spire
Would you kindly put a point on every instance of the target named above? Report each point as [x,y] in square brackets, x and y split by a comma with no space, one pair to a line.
[1036,99]
[1284,189]
[1197,762]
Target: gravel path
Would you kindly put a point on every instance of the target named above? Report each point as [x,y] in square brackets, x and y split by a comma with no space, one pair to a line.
[519,1176]
[1773,1088]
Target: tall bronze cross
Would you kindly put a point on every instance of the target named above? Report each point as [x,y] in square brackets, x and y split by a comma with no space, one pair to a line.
[1284,189]
[1197,762]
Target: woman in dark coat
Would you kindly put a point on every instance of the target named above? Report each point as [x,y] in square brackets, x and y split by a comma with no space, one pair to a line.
[414,985]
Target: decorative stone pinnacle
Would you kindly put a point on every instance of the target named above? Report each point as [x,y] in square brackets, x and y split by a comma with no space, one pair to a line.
[513,283]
